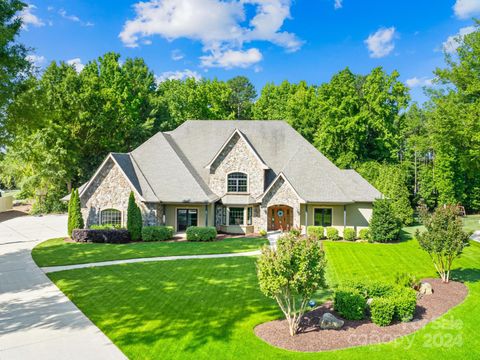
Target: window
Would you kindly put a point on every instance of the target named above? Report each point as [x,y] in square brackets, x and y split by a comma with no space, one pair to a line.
[249,216]
[323,217]
[236,216]
[110,217]
[237,182]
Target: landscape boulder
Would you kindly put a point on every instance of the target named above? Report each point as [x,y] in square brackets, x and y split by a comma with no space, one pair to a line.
[426,288]
[328,321]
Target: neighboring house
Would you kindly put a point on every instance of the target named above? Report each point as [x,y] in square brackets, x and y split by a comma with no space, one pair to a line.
[240,176]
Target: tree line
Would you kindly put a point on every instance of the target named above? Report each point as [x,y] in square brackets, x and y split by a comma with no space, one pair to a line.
[57,125]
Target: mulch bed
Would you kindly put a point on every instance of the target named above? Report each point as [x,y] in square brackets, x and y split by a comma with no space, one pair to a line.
[363,332]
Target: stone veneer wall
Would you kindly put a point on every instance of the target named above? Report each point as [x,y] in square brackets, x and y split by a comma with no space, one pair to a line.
[236,156]
[280,194]
[110,190]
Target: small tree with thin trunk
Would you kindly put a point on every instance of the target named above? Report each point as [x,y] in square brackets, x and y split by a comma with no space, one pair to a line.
[291,274]
[444,238]
[75,218]
[134,219]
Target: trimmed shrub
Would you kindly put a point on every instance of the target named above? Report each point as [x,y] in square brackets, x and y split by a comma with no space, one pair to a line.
[262,232]
[318,232]
[101,236]
[201,233]
[157,233]
[332,234]
[75,218]
[371,289]
[295,231]
[350,303]
[405,302]
[106,227]
[134,219]
[382,311]
[349,234]
[384,226]
[364,234]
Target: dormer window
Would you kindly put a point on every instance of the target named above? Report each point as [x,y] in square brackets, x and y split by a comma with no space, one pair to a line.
[237,182]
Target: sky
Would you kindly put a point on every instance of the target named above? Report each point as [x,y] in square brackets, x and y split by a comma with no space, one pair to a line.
[265,40]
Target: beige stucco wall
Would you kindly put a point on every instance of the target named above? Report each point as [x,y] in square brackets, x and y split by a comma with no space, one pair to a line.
[6,203]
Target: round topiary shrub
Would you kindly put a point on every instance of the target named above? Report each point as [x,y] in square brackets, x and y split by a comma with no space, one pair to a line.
[349,234]
[317,232]
[405,302]
[364,234]
[332,234]
[382,311]
[350,303]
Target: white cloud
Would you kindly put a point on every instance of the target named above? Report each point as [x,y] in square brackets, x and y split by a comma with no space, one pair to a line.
[177,55]
[29,18]
[465,9]
[74,18]
[178,75]
[338,4]
[36,60]
[77,64]
[380,43]
[453,42]
[221,26]
[415,82]
[232,58]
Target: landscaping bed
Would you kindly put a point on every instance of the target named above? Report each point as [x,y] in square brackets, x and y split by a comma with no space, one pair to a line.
[361,332]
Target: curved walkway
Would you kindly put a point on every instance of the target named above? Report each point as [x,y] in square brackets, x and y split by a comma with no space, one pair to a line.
[37,321]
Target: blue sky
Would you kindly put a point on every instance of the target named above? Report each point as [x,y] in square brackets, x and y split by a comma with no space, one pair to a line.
[266,40]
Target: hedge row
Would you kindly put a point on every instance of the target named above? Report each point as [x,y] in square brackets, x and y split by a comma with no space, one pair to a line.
[331,233]
[101,236]
[201,233]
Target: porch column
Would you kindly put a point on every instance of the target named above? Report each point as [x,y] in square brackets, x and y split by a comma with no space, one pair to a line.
[206,215]
[344,216]
[164,214]
[306,218]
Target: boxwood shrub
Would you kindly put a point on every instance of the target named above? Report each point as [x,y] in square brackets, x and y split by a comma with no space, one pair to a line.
[364,234]
[371,289]
[405,302]
[106,227]
[317,232]
[332,233]
[382,311]
[101,236]
[201,233]
[349,234]
[157,233]
[350,303]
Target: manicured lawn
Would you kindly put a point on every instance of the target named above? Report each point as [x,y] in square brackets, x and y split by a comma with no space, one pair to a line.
[471,222]
[207,309]
[58,252]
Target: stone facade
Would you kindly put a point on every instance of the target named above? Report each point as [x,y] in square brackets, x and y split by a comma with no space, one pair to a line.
[110,190]
[237,157]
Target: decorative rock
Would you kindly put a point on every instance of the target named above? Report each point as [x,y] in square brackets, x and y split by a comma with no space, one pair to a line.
[329,321]
[426,288]
[369,301]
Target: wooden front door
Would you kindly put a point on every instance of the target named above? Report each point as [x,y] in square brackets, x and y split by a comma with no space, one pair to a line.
[280,217]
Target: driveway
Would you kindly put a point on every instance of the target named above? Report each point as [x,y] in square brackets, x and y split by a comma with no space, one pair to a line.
[36,320]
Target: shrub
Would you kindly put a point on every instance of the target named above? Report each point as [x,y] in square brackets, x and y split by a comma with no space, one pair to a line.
[382,311]
[262,232]
[371,289]
[405,302]
[201,233]
[364,234]
[332,233]
[157,233]
[75,218]
[349,234]
[296,231]
[134,219]
[291,275]
[350,303]
[317,232]
[101,236]
[106,227]
[407,280]
[384,226]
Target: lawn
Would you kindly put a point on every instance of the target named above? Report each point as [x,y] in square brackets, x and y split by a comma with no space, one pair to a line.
[207,309]
[58,252]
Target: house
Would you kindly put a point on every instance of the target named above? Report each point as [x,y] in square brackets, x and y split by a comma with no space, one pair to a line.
[240,176]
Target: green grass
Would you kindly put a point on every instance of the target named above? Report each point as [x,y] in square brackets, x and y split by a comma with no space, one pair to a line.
[471,223]
[58,252]
[207,309]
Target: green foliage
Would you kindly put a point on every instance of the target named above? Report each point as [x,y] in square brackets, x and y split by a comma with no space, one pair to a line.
[370,289]
[444,238]
[201,233]
[382,311]
[408,280]
[106,227]
[134,219]
[291,274]
[242,97]
[75,218]
[384,225]
[349,234]
[405,302]
[262,232]
[350,303]
[295,231]
[332,233]
[364,234]
[317,232]
[157,233]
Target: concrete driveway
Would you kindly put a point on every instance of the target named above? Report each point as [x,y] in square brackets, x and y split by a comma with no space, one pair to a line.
[36,320]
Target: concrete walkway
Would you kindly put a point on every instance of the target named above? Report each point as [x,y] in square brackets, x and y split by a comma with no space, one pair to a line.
[49,269]
[273,237]
[36,320]
[476,236]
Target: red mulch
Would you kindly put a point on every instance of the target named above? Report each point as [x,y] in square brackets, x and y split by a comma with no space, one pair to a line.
[364,332]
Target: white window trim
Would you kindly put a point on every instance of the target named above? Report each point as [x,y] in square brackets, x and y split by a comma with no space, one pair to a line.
[240,192]
[111,208]
[320,207]
[244,215]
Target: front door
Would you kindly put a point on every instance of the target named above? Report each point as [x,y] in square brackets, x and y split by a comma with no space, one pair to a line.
[186,218]
[280,217]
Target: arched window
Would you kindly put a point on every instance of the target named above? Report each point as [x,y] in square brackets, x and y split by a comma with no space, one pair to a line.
[110,217]
[237,182]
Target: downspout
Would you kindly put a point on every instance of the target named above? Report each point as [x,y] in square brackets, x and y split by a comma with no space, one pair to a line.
[206,214]
[306,218]
[344,217]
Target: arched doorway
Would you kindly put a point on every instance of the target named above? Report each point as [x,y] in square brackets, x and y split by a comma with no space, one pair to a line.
[280,217]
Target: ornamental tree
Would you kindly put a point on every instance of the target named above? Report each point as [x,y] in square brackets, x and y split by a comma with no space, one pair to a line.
[444,238]
[134,219]
[291,274]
